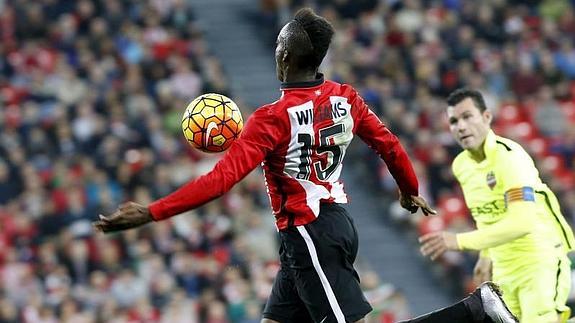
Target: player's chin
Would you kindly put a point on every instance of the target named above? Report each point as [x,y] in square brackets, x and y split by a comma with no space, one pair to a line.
[467,144]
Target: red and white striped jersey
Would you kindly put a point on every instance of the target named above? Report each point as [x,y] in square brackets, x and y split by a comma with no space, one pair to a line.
[301,141]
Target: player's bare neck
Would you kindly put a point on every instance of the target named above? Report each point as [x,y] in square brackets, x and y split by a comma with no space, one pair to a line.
[478,154]
[300,76]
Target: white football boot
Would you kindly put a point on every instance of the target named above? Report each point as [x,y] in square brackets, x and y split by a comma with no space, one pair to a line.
[493,304]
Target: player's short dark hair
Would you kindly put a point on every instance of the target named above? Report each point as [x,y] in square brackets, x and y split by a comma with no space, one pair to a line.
[310,39]
[461,94]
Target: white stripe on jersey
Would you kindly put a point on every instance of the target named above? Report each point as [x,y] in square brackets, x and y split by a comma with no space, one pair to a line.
[322,277]
[338,193]
[314,193]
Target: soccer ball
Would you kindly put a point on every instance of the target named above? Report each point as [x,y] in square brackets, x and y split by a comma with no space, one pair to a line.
[212,122]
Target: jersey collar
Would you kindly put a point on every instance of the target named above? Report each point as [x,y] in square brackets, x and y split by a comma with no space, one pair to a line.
[303,85]
[490,146]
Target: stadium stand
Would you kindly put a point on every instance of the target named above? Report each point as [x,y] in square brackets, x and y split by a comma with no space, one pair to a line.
[91,94]
[91,99]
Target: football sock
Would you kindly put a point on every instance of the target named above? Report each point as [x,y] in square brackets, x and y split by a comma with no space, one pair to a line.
[467,310]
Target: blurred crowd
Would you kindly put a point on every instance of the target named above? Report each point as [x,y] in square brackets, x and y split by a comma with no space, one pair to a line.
[405,57]
[91,98]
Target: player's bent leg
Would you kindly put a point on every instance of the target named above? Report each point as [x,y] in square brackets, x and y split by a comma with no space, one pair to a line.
[563,290]
[543,299]
[508,288]
[272,321]
[321,256]
[493,304]
[484,304]
[458,312]
[284,304]
[564,316]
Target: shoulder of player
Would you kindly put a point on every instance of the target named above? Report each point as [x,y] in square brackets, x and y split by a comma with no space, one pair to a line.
[266,114]
[269,109]
[512,158]
[345,89]
[507,148]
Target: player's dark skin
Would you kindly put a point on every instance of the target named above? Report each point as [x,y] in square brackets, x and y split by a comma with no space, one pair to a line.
[130,215]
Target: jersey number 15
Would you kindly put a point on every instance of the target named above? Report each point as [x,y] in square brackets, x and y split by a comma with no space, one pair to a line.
[334,157]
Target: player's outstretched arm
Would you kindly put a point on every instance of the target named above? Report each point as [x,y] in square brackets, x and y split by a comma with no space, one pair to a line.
[434,244]
[519,221]
[243,156]
[129,215]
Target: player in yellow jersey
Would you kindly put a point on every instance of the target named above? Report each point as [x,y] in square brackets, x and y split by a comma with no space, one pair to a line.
[521,233]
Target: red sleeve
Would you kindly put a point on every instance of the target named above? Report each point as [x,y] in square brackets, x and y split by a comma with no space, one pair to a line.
[376,135]
[256,141]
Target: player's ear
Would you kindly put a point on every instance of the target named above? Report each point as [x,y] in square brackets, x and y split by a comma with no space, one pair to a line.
[285,56]
[488,115]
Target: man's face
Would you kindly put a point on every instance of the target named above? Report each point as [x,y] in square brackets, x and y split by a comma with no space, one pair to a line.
[468,125]
[280,53]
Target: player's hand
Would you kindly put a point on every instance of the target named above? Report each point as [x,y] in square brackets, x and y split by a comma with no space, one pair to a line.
[412,203]
[482,271]
[129,215]
[434,244]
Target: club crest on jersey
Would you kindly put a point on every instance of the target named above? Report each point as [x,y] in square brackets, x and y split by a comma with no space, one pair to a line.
[491,180]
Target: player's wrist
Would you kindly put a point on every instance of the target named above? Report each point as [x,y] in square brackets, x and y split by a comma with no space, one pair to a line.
[155,210]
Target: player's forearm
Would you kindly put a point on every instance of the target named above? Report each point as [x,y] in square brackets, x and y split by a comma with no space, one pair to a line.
[193,194]
[488,238]
[519,222]
[239,161]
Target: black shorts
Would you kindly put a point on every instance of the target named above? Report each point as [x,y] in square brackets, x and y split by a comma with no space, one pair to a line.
[317,281]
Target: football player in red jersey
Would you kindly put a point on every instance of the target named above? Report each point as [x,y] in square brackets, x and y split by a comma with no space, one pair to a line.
[301,140]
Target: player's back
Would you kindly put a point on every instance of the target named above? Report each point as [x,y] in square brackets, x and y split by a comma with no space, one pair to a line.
[320,129]
[315,125]
[305,135]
